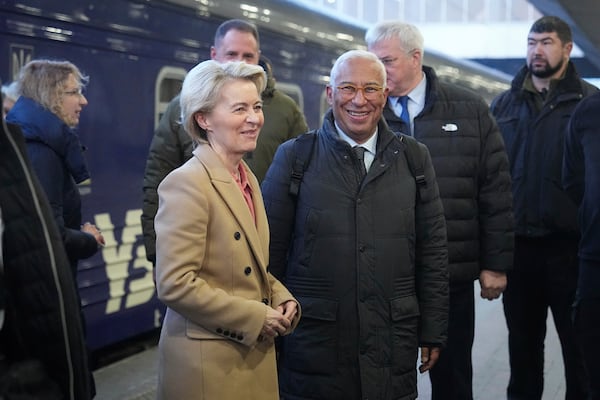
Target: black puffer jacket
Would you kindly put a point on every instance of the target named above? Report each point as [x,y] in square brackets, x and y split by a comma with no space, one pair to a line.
[535,143]
[42,319]
[471,166]
[367,263]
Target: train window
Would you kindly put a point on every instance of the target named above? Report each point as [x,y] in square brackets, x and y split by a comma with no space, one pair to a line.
[168,85]
[294,91]
[169,89]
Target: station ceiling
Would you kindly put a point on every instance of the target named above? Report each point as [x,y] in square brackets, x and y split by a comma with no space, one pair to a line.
[584,18]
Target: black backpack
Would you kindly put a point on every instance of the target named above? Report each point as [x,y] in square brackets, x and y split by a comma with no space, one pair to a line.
[304,146]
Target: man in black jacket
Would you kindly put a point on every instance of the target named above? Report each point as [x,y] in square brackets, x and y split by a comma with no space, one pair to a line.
[533,117]
[361,247]
[471,166]
[43,354]
[581,179]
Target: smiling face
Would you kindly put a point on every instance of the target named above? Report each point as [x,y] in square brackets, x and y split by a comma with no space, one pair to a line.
[236,46]
[232,127]
[357,112]
[71,102]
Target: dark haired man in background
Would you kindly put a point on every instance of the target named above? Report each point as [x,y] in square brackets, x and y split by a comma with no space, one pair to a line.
[533,116]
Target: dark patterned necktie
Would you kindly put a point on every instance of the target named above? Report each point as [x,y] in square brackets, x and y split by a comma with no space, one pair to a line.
[359,152]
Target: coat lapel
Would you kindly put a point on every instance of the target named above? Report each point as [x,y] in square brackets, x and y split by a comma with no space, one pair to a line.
[256,234]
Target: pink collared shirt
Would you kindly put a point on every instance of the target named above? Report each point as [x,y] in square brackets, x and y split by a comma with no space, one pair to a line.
[244,186]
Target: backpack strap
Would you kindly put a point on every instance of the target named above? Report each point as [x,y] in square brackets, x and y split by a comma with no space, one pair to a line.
[412,152]
[303,149]
[304,146]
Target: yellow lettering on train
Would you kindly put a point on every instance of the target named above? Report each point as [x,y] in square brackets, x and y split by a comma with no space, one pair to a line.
[125,292]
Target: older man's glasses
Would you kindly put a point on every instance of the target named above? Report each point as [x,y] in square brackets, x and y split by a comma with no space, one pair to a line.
[389,61]
[393,61]
[368,91]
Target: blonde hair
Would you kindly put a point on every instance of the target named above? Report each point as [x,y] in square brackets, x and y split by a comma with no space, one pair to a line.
[202,85]
[44,81]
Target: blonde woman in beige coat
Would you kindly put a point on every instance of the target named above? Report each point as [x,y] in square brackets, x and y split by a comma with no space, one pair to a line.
[212,238]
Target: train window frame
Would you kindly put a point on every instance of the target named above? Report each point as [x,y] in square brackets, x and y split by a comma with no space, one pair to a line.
[166,73]
[294,91]
[323,105]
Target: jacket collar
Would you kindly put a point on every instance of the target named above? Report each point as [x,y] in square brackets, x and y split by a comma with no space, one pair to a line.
[41,125]
[384,135]
[256,233]
[570,83]
[270,88]
[432,87]
[431,94]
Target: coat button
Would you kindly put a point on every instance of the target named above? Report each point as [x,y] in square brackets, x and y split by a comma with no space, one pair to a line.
[237,236]
[233,335]
[226,333]
[240,338]
[247,270]
[219,330]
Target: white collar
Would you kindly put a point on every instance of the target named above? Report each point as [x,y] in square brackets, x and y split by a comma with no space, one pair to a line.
[370,145]
[417,95]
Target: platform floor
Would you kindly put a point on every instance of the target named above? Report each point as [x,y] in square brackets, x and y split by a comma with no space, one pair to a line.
[134,378]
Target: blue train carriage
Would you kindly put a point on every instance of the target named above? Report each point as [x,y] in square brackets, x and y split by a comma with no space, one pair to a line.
[116,285]
[137,54]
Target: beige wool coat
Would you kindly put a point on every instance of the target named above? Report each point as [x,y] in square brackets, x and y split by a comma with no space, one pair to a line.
[211,272]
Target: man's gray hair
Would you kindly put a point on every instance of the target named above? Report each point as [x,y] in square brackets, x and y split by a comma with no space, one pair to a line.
[355,54]
[409,35]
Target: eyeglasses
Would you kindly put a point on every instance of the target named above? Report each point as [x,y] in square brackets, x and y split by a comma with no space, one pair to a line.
[74,92]
[369,91]
[391,61]
[388,61]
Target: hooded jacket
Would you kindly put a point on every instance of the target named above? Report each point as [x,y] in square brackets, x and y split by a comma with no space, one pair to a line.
[42,318]
[57,159]
[535,143]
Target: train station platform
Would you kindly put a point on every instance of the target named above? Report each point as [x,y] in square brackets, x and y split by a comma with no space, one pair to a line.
[134,378]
